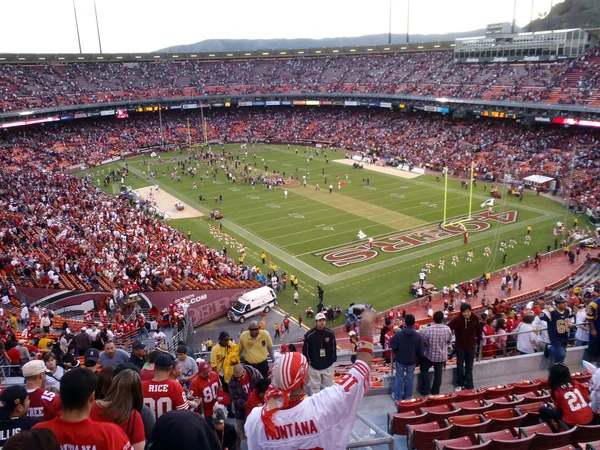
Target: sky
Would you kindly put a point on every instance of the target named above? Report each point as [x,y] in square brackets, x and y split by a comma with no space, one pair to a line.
[126,26]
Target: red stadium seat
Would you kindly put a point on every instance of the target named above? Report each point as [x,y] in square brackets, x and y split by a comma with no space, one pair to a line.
[462,443]
[533,412]
[595,445]
[439,412]
[504,402]
[443,399]
[414,404]
[421,436]
[503,418]
[468,425]
[585,433]
[470,394]
[545,440]
[505,440]
[473,407]
[397,422]
[535,396]
[523,387]
[497,391]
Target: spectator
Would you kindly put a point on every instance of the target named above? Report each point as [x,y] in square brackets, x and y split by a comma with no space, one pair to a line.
[13,411]
[25,355]
[225,432]
[162,395]
[334,409]
[147,372]
[320,350]
[436,340]
[207,388]
[526,341]
[39,439]
[558,329]
[42,403]
[74,428]
[407,345]
[113,356]
[255,344]
[147,415]
[122,405]
[593,319]
[467,332]
[138,354]
[569,398]
[191,430]
[83,341]
[256,397]
[582,335]
[241,384]
[105,377]
[54,372]
[90,360]
[189,368]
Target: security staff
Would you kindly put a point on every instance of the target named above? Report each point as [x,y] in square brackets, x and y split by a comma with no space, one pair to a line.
[320,351]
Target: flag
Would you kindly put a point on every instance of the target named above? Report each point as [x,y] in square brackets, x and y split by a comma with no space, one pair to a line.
[361,235]
[489,202]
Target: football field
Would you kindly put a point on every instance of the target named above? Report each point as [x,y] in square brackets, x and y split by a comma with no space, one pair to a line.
[313,234]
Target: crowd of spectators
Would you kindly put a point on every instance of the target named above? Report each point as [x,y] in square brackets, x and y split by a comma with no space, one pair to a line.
[24,86]
[423,140]
[60,231]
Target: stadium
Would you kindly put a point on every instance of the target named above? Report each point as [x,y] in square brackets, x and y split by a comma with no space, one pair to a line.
[145,195]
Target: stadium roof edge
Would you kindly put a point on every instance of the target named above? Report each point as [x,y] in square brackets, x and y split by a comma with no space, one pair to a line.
[244,54]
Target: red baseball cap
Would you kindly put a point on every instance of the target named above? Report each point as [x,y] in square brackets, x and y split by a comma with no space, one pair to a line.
[203,366]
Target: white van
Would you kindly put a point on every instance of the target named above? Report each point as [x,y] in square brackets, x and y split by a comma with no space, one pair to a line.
[252,303]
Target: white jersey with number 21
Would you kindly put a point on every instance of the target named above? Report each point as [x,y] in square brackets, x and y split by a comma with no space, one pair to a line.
[323,421]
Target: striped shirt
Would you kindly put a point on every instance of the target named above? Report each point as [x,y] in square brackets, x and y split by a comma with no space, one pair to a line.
[435,339]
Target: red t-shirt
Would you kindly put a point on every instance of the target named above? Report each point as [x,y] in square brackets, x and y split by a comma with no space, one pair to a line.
[571,400]
[15,355]
[207,391]
[44,404]
[146,374]
[87,434]
[163,396]
[253,401]
[133,428]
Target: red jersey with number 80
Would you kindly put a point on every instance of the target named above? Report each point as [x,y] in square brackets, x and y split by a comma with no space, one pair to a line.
[207,391]
[571,400]
[163,396]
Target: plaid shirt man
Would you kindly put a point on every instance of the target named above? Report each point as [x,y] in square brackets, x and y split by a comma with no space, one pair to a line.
[435,339]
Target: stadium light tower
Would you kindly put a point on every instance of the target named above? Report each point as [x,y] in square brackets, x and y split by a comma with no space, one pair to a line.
[512,28]
[77,26]
[98,27]
[407,19]
[390,31]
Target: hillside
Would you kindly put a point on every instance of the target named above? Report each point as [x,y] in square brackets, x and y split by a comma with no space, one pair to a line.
[222,45]
[569,14]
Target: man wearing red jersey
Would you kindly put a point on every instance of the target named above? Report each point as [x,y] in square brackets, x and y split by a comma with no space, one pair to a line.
[570,399]
[42,403]
[74,429]
[206,387]
[161,394]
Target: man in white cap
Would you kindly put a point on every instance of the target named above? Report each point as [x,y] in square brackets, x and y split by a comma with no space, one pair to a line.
[289,419]
[320,350]
[42,403]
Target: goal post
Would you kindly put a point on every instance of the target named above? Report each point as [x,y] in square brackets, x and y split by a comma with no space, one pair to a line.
[460,222]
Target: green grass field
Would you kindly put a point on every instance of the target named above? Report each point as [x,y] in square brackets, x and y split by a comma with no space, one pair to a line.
[401,215]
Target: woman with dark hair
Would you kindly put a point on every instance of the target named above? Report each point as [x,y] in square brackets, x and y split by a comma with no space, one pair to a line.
[55,372]
[122,406]
[105,377]
[501,340]
[570,399]
[38,439]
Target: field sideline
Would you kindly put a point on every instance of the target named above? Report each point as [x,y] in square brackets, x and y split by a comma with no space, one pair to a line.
[311,233]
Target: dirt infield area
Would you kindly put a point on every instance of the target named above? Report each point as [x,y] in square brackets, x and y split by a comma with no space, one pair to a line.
[166,203]
[381,169]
